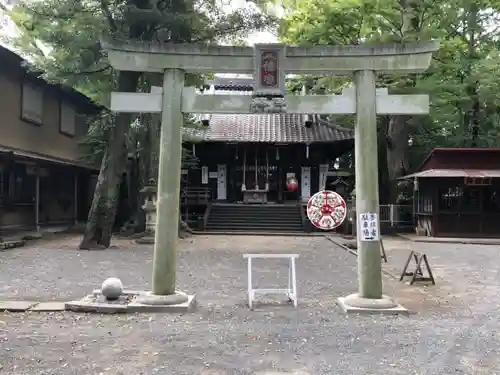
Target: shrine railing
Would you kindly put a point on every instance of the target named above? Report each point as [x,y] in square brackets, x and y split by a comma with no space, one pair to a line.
[196,195]
[395,215]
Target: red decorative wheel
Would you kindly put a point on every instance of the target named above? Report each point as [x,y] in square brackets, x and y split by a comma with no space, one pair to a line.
[326,210]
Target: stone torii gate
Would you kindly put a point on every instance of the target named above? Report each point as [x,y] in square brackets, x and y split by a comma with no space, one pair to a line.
[269,63]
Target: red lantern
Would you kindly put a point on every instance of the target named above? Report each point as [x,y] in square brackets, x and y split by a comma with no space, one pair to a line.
[291,184]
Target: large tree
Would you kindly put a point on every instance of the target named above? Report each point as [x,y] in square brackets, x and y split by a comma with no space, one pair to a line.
[71,30]
[463,79]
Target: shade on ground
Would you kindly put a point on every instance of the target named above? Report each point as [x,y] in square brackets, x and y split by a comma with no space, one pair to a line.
[223,336]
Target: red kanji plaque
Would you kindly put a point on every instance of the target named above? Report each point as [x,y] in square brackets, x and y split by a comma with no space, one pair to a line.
[269,64]
[326,210]
[269,68]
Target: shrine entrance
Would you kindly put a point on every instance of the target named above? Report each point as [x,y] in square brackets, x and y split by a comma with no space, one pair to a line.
[269,63]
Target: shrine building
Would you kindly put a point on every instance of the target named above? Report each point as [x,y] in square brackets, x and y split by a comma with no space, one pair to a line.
[457,193]
[247,161]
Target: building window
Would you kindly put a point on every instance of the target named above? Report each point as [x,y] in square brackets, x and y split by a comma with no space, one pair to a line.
[491,200]
[67,123]
[3,187]
[449,199]
[471,200]
[17,184]
[424,204]
[32,103]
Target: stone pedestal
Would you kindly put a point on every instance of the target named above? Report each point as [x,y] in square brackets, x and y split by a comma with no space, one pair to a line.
[355,304]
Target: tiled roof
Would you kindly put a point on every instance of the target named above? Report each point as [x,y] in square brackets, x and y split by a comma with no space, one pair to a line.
[230,84]
[268,128]
[265,128]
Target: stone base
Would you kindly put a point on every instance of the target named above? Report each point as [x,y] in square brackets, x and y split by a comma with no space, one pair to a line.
[353,304]
[133,302]
[16,306]
[146,240]
[149,298]
[12,244]
[176,303]
[49,307]
[32,236]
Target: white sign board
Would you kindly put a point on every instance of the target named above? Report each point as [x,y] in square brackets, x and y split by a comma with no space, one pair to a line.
[204,174]
[368,226]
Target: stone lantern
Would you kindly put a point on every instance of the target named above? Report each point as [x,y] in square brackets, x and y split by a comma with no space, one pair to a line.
[149,192]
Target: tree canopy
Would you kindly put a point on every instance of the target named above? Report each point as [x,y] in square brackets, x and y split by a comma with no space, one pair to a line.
[463,80]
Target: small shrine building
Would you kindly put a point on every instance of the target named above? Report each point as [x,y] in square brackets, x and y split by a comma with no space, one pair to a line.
[457,193]
[249,158]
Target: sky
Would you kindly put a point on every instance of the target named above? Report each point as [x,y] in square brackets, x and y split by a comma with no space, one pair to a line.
[9,29]
[256,37]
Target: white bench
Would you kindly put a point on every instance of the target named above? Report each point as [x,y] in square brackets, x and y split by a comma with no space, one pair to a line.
[290,292]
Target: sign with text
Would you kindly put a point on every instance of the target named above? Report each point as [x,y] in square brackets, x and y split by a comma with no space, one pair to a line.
[204,174]
[269,73]
[368,226]
[269,64]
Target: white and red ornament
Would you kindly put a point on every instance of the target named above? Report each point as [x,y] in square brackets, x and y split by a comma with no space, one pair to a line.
[326,210]
[292,184]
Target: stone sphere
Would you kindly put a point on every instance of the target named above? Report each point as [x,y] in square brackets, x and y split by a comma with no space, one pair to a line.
[112,288]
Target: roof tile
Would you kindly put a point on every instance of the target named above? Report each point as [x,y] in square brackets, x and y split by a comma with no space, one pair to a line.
[267,128]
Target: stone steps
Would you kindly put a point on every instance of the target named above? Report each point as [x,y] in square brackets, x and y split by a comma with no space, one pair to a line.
[255,218]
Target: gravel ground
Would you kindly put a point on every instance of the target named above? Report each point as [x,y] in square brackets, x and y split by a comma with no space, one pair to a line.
[467,276]
[223,336]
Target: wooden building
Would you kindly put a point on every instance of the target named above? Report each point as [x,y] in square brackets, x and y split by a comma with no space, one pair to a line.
[457,193]
[42,178]
[241,154]
[246,159]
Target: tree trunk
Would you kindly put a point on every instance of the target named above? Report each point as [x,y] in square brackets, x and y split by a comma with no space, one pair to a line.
[471,116]
[141,177]
[397,130]
[397,151]
[104,204]
[383,174]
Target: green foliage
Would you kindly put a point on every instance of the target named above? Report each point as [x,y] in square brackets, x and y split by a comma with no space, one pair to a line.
[70,31]
[463,81]
[62,39]
[96,141]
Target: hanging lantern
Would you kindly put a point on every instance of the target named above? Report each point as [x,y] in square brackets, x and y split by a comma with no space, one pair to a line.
[292,184]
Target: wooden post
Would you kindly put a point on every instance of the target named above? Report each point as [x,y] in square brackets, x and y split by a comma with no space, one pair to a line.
[37,200]
[75,198]
[244,185]
[391,215]
[169,179]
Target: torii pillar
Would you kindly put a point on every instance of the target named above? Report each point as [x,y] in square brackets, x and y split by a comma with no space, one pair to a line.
[361,62]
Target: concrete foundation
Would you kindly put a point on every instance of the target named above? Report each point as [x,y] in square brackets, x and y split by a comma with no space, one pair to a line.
[16,306]
[49,307]
[146,240]
[353,304]
[132,302]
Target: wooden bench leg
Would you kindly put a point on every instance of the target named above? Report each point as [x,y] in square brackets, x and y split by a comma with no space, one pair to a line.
[294,284]
[250,287]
